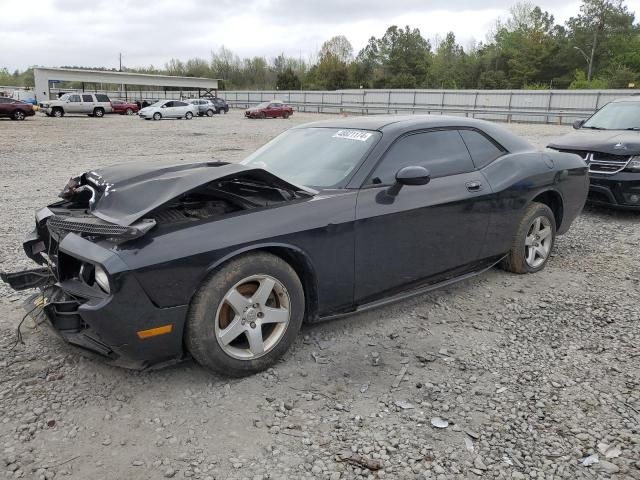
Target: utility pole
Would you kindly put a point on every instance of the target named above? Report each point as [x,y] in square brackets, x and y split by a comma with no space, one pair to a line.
[589,61]
[120,57]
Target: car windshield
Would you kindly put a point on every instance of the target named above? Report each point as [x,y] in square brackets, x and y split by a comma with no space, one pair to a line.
[616,116]
[263,105]
[158,104]
[65,96]
[314,157]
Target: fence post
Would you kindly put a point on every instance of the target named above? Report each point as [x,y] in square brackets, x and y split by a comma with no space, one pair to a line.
[321,106]
[304,101]
[389,103]
[546,118]
[414,102]
[509,107]
[598,100]
[475,104]
[364,93]
[341,102]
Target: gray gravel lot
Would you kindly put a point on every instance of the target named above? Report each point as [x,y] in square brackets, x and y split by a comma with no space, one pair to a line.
[535,376]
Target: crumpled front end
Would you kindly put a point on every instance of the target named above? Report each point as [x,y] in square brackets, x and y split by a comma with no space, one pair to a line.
[89,297]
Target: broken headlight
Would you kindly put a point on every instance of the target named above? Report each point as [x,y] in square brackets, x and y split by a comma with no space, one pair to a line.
[102,279]
[95,275]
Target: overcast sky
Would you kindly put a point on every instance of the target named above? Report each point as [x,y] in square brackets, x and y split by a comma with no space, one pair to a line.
[150,32]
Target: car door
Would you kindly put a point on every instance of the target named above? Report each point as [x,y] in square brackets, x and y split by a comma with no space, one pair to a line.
[168,109]
[87,105]
[181,108]
[426,231]
[6,108]
[73,104]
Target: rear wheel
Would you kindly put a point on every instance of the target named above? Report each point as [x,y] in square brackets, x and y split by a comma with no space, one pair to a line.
[18,115]
[98,112]
[285,115]
[210,113]
[533,242]
[157,116]
[246,315]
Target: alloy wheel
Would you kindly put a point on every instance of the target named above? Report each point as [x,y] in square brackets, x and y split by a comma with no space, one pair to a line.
[538,241]
[252,317]
[18,115]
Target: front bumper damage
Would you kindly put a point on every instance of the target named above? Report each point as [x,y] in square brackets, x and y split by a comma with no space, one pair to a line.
[106,324]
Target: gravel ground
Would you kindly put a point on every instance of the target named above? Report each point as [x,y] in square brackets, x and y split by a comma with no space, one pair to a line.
[501,376]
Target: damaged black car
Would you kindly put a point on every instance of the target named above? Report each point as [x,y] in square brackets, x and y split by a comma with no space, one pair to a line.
[146,265]
[609,142]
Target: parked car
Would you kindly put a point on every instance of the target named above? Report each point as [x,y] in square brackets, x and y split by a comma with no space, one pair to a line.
[272,109]
[124,108]
[609,141]
[144,263]
[92,104]
[203,106]
[220,104]
[169,109]
[15,109]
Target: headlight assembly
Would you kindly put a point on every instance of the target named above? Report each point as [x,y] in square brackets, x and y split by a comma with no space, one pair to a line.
[102,279]
[634,164]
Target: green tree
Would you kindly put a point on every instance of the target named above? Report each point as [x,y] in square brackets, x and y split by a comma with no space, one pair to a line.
[288,80]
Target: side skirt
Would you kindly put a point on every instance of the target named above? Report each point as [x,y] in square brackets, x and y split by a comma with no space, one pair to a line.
[410,293]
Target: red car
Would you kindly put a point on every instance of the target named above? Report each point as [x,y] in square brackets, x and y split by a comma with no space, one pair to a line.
[15,109]
[124,108]
[272,109]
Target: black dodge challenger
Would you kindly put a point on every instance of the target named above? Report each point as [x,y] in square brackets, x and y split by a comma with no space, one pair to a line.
[609,141]
[145,264]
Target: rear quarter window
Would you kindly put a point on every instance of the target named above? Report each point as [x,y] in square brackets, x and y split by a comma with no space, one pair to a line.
[100,97]
[483,150]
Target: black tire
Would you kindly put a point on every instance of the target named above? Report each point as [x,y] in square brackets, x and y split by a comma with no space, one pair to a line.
[263,115]
[285,115]
[226,110]
[98,112]
[128,111]
[157,116]
[516,260]
[210,113]
[57,112]
[188,116]
[200,336]
[18,115]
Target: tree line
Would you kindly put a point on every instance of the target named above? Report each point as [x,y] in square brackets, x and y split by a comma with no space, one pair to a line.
[599,47]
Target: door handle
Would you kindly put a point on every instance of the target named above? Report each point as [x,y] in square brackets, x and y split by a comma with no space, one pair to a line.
[474,186]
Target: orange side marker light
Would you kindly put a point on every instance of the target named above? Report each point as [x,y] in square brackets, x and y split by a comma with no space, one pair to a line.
[154,332]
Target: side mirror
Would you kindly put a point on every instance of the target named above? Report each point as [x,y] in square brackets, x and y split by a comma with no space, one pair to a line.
[578,123]
[163,106]
[409,176]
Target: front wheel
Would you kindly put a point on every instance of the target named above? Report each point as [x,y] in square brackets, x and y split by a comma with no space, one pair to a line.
[263,115]
[129,111]
[18,115]
[188,115]
[533,242]
[58,112]
[285,115]
[246,315]
[157,116]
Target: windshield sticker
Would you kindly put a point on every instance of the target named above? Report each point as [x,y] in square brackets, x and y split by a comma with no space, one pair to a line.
[353,135]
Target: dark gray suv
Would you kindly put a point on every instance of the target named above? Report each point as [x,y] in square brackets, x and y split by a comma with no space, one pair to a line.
[205,107]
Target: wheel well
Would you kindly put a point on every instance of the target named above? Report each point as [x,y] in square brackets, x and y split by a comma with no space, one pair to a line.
[304,270]
[553,200]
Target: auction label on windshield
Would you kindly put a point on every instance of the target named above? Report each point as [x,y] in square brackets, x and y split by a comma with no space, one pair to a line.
[353,135]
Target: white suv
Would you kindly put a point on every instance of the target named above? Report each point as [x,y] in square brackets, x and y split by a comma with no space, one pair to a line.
[92,104]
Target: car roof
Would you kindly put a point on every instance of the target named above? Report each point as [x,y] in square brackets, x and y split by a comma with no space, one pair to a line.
[399,124]
[632,98]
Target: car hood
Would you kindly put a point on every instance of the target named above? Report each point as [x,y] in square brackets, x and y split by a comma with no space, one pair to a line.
[125,193]
[616,142]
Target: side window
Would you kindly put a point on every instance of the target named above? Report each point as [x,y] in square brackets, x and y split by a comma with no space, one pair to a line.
[442,152]
[74,98]
[169,104]
[483,151]
[87,98]
[179,104]
[5,100]
[101,97]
